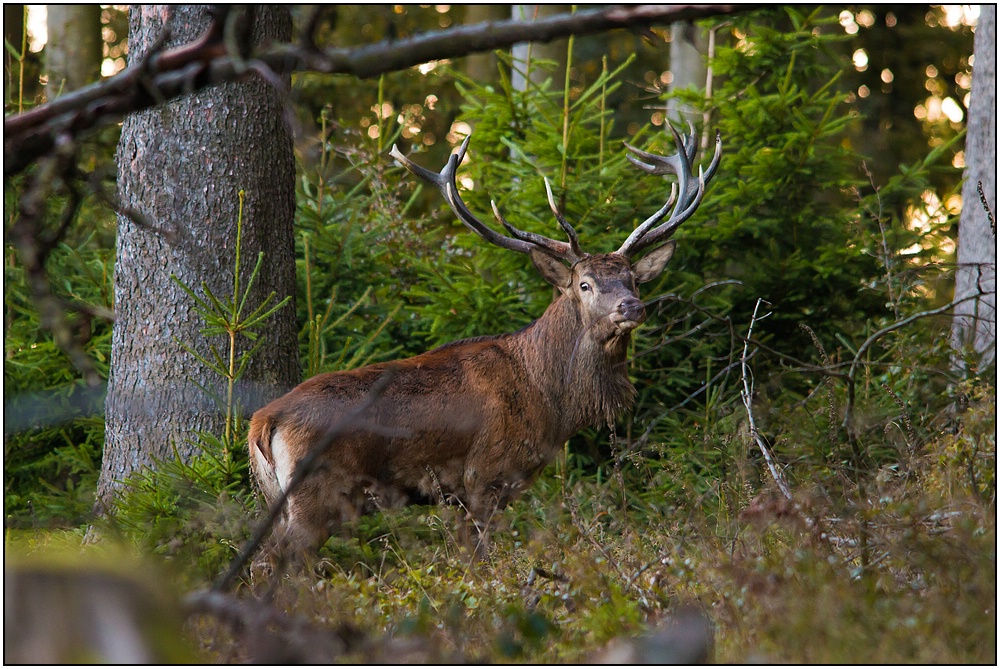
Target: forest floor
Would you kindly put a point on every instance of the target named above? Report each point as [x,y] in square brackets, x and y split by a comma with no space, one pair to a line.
[573,576]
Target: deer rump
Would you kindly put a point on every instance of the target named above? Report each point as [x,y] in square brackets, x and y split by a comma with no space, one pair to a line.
[444,428]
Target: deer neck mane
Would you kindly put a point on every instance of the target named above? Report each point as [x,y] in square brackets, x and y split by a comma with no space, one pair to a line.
[579,369]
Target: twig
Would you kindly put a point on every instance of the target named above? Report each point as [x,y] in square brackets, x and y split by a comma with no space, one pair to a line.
[848,423]
[747,396]
[804,366]
[831,399]
[307,35]
[886,252]
[544,573]
[265,634]
[133,215]
[911,434]
[641,441]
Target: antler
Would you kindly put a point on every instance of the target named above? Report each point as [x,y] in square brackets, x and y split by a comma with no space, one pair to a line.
[691,191]
[521,241]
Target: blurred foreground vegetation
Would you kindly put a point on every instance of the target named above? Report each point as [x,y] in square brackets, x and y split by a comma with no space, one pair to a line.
[885,549]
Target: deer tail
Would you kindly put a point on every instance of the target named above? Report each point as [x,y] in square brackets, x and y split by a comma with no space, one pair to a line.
[262,429]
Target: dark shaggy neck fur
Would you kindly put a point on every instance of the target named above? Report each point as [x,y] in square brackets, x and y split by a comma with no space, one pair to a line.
[580,367]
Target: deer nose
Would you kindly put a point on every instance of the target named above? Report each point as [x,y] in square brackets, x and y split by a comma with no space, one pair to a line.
[632,308]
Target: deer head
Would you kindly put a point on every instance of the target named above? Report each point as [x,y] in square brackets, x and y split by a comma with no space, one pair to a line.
[605,286]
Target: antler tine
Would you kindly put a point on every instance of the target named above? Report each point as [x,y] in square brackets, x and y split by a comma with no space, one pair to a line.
[678,164]
[444,181]
[663,232]
[639,232]
[574,240]
[687,191]
[688,142]
[714,165]
[554,247]
[691,142]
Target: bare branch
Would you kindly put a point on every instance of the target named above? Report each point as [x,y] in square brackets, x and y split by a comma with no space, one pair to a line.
[307,36]
[206,62]
[133,215]
[267,635]
[848,422]
[747,396]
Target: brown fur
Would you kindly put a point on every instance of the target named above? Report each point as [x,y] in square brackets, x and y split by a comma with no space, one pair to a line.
[476,419]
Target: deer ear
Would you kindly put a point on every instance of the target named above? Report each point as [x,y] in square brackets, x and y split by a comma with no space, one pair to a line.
[652,264]
[551,269]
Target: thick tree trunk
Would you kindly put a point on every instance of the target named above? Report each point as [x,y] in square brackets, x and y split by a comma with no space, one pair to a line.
[73,51]
[181,166]
[974,329]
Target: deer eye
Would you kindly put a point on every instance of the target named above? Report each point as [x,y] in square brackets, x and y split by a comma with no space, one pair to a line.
[584,286]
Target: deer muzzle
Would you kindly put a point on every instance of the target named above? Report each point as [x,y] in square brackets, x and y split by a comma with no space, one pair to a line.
[631,313]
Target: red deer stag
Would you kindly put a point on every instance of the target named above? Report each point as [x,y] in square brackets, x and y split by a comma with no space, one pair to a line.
[474,420]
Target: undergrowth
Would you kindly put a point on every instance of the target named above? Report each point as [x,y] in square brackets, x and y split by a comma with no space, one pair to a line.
[571,570]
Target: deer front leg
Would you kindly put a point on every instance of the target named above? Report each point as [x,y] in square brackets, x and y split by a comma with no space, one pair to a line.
[485,502]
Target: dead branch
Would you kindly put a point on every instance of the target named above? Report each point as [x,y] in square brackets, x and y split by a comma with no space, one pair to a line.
[747,396]
[163,76]
[268,635]
[851,376]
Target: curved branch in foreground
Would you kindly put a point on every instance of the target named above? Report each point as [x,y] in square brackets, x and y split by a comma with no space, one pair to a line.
[205,62]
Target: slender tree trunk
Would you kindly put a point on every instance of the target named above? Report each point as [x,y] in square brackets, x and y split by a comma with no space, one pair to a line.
[688,50]
[527,53]
[13,29]
[73,52]
[482,67]
[974,329]
[181,166]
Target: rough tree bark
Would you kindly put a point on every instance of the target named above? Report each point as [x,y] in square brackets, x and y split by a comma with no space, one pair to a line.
[181,166]
[975,324]
[73,51]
